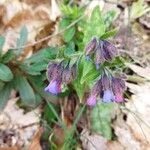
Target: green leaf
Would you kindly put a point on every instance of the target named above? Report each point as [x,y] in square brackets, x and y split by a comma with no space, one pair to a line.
[80,88]
[109,17]
[110,33]
[45,53]
[48,114]
[64,23]
[5,73]
[4,95]
[22,39]
[8,56]
[2,41]
[101,119]
[95,26]
[88,69]
[26,92]
[68,34]
[36,68]
[1,84]
[70,49]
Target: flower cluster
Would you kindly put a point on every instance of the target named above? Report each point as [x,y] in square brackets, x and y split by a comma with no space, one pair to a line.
[103,51]
[109,89]
[57,75]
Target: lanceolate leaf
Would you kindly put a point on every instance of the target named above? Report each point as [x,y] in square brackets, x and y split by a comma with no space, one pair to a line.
[101,119]
[8,56]
[68,34]
[95,26]
[4,95]
[5,73]
[110,33]
[22,39]
[26,92]
[2,41]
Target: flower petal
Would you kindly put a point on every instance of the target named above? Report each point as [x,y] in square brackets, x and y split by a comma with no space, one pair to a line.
[54,87]
[91,101]
[108,96]
[119,98]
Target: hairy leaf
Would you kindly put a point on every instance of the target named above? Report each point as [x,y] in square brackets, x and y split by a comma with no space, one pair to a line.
[5,73]
[101,119]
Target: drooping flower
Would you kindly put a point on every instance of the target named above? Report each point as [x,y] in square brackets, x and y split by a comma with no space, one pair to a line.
[52,67]
[67,75]
[118,87]
[91,101]
[108,95]
[54,87]
[99,57]
[90,47]
[109,50]
[54,71]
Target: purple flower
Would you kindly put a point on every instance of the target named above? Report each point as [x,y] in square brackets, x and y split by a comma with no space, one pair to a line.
[91,101]
[99,57]
[87,57]
[109,50]
[118,87]
[67,75]
[54,71]
[108,96]
[91,47]
[97,89]
[54,87]
[119,98]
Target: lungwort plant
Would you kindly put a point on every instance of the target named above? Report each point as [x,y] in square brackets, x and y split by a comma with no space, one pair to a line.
[87,65]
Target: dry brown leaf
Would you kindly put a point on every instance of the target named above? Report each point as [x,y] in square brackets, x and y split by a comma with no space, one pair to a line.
[11,148]
[59,136]
[114,145]
[47,30]
[140,105]
[2,12]
[35,144]
[143,72]
[36,2]
[92,142]
[20,18]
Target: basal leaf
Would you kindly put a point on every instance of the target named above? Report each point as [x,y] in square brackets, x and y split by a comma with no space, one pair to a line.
[5,73]
[8,56]
[21,41]
[101,119]
[26,92]
[2,41]
[1,84]
[4,95]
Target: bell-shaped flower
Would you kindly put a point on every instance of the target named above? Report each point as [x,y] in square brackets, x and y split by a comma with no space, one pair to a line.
[54,87]
[118,87]
[109,50]
[108,96]
[90,47]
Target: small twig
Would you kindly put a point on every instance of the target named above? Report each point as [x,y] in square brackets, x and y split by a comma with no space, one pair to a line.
[50,36]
